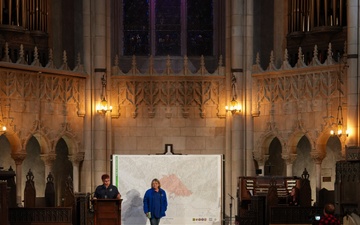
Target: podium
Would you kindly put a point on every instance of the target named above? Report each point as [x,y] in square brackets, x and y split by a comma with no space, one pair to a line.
[107,211]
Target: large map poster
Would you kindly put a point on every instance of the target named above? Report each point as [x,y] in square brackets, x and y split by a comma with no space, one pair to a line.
[192,183]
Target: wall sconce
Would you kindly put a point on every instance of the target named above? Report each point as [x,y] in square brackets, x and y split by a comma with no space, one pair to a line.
[3,128]
[103,107]
[340,124]
[234,106]
[339,116]
[2,124]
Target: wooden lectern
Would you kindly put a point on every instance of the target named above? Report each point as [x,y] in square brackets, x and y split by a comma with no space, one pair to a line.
[107,211]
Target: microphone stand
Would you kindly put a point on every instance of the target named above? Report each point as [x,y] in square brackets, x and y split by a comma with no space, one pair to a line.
[230,206]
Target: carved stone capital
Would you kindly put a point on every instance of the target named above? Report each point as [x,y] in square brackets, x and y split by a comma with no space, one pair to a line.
[317,156]
[260,158]
[77,158]
[18,157]
[289,158]
[48,158]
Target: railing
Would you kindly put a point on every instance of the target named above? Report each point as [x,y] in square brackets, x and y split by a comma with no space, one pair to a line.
[58,215]
[293,214]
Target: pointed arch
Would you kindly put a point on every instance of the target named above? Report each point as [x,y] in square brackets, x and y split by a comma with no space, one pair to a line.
[14,140]
[294,141]
[261,152]
[70,139]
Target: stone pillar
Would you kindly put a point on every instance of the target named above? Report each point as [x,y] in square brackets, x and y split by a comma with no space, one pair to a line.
[317,157]
[18,158]
[75,160]
[99,60]
[88,28]
[237,70]
[289,160]
[261,159]
[353,71]
[48,162]
[247,106]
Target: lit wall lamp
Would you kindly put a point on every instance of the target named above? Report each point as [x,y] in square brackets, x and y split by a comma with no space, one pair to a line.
[2,123]
[234,106]
[340,124]
[339,117]
[3,128]
[103,106]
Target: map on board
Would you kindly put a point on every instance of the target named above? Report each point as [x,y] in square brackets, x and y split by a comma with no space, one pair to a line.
[192,184]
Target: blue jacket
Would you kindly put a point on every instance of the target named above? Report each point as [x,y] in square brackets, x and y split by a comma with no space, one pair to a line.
[148,203]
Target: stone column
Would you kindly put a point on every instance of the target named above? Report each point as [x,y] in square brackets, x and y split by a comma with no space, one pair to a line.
[247,106]
[48,162]
[353,71]
[289,160]
[99,60]
[237,71]
[317,157]
[88,29]
[75,160]
[18,158]
[261,159]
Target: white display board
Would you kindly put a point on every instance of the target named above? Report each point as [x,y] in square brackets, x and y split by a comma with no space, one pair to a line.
[193,184]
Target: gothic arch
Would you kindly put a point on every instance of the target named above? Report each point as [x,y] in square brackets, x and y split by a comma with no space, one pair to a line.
[262,149]
[294,140]
[14,140]
[71,142]
[41,135]
[44,142]
[320,147]
[70,139]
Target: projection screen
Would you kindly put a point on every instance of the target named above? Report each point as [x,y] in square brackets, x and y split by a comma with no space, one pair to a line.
[193,184]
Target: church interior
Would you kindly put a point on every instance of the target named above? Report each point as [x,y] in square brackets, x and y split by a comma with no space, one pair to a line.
[271,86]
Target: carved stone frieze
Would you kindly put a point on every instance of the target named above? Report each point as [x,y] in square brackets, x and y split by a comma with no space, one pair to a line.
[167,92]
[301,87]
[31,86]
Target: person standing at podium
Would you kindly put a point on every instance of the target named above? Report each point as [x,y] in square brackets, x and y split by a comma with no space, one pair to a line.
[107,190]
[155,202]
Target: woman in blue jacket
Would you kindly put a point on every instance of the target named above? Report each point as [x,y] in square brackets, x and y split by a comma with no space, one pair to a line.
[155,202]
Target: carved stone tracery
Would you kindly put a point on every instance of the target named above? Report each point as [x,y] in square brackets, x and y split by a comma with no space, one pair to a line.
[169,92]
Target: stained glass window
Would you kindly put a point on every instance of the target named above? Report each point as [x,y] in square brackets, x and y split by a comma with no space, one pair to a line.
[199,27]
[136,27]
[168,27]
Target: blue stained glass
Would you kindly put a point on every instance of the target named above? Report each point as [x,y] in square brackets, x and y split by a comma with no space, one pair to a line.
[199,27]
[168,43]
[136,27]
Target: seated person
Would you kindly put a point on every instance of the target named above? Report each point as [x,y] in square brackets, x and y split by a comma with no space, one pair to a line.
[293,198]
[328,218]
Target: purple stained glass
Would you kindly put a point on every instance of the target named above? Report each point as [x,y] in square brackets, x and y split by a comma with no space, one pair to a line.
[168,27]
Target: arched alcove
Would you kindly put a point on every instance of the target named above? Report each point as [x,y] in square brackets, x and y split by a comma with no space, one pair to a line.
[5,154]
[275,165]
[303,160]
[33,161]
[328,170]
[62,169]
